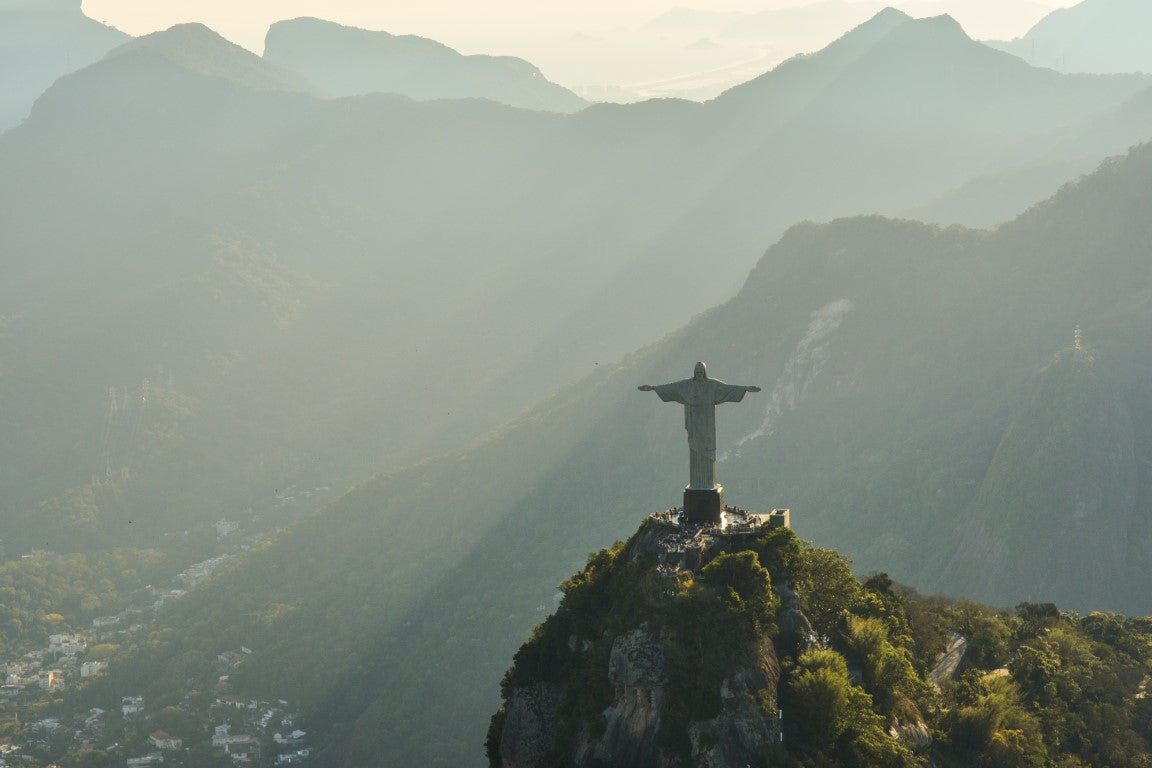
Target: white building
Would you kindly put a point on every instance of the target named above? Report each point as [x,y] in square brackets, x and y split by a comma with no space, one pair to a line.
[132,705]
[162,740]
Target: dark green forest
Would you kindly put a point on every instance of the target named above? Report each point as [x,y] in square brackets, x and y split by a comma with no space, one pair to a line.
[888,444]
[1036,686]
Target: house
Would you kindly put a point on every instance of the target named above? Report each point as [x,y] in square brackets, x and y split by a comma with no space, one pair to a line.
[51,679]
[49,724]
[226,740]
[162,740]
[289,758]
[292,739]
[69,645]
[243,751]
[154,758]
[132,705]
[92,668]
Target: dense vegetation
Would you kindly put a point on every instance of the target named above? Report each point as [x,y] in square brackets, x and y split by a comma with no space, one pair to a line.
[48,593]
[1036,687]
[716,619]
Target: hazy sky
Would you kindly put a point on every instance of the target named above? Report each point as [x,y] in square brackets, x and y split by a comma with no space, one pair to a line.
[580,42]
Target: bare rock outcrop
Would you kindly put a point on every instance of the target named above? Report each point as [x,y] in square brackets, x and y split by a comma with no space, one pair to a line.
[531,718]
[638,670]
[737,736]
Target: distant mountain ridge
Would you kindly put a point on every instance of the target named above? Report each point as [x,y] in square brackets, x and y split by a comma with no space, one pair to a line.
[200,50]
[1103,36]
[494,235]
[39,42]
[347,61]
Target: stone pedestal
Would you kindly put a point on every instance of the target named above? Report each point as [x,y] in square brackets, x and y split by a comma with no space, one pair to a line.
[703,505]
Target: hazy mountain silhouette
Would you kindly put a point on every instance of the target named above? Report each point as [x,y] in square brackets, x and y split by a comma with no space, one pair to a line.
[347,61]
[894,107]
[1068,154]
[199,50]
[1092,36]
[801,79]
[40,40]
[922,404]
[175,257]
[375,251]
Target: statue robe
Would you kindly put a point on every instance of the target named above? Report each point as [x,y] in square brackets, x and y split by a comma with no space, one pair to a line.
[700,398]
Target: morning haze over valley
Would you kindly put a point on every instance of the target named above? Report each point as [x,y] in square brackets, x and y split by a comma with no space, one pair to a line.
[756,383]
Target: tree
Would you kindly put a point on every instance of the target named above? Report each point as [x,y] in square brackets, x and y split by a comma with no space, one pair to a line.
[828,589]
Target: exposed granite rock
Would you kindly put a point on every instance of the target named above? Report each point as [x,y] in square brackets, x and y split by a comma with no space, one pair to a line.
[655,690]
[529,725]
[638,672]
[648,540]
[737,736]
[791,619]
[915,735]
[638,659]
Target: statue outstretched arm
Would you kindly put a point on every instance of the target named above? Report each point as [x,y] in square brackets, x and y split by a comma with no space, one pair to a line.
[752,389]
[669,393]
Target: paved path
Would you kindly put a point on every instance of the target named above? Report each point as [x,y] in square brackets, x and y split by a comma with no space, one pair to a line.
[946,667]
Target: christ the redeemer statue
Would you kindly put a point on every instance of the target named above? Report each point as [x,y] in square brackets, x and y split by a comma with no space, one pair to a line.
[703,498]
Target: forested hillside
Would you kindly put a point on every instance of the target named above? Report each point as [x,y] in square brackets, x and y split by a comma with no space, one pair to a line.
[650,663]
[922,401]
[219,284]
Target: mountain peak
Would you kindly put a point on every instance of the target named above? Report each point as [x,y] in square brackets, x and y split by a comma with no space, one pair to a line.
[40,41]
[316,25]
[349,61]
[888,15]
[932,30]
[859,39]
[197,48]
[176,38]
[803,75]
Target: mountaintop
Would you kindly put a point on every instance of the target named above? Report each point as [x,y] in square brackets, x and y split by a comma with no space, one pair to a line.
[198,49]
[39,42]
[347,61]
[732,649]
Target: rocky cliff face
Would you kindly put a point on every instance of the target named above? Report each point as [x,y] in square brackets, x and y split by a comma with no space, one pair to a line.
[642,678]
[629,733]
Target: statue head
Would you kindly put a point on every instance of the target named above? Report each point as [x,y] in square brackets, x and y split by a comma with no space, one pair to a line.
[701,372]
